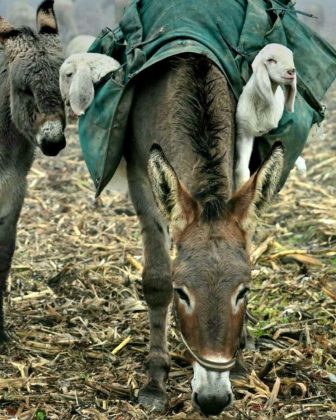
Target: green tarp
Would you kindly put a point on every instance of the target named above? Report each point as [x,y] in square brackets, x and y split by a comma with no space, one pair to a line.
[229,32]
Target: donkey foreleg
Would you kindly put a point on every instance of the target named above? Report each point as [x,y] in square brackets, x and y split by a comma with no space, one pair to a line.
[7,246]
[158,291]
[10,207]
[157,287]
[153,393]
[6,254]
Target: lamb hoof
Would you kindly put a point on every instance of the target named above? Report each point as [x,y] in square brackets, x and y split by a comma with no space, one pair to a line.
[154,398]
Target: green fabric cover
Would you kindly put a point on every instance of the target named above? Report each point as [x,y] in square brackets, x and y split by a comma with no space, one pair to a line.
[102,130]
[229,32]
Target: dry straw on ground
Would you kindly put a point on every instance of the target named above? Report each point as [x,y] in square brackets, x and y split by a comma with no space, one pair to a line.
[78,321]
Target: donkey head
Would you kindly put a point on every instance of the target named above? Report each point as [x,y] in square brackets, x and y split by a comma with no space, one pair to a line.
[33,60]
[211,273]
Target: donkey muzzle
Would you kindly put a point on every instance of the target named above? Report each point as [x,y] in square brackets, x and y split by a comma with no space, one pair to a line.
[212,391]
[50,137]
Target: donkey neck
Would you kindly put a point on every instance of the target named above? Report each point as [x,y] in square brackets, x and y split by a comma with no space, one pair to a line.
[201,121]
[15,149]
[186,106]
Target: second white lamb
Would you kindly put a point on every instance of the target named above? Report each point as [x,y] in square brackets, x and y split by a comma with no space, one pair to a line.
[79,73]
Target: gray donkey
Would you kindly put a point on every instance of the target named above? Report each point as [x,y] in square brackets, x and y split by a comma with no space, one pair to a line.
[31,114]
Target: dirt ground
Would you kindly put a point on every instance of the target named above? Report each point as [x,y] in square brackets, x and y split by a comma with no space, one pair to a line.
[78,322]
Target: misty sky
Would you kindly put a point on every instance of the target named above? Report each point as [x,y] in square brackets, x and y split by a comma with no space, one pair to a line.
[90,16]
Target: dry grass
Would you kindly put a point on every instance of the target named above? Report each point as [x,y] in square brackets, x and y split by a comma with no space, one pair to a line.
[78,320]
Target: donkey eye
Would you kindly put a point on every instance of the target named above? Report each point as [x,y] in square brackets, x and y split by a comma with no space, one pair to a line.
[69,74]
[242,294]
[183,296]
[271,60]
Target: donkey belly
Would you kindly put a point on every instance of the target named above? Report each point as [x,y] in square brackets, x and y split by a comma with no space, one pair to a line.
[12,192]
[16,158]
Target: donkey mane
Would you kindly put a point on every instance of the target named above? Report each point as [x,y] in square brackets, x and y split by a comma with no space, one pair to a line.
[27,31]
[24,31]
[199,118]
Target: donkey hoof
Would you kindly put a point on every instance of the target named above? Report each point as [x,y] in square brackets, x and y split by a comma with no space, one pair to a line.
[154,398]
[240,370]
[4,338]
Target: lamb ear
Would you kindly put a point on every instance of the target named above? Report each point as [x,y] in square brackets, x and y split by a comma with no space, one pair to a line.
[251,200]
[263,82]
[45,18]
[81,91]
[290,95]
[173,200]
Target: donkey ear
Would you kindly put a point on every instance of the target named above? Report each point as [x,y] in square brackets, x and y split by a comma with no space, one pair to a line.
[81,91]
[7,31]
[250,201]
[45,18]
[173,200]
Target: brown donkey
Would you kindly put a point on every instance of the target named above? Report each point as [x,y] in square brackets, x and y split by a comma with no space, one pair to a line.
[180,157]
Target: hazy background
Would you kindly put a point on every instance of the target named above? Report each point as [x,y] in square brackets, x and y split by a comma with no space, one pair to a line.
[78,17]
[325,11]
[75,17]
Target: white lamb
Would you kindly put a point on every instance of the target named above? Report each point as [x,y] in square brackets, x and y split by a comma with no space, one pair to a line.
[261,104]
[79,73]
[79,44]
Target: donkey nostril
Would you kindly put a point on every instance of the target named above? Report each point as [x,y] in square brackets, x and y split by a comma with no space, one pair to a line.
[50,148]
[212,405]
[291,72]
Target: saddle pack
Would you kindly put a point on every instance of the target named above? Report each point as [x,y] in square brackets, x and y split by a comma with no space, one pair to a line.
[230,33]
